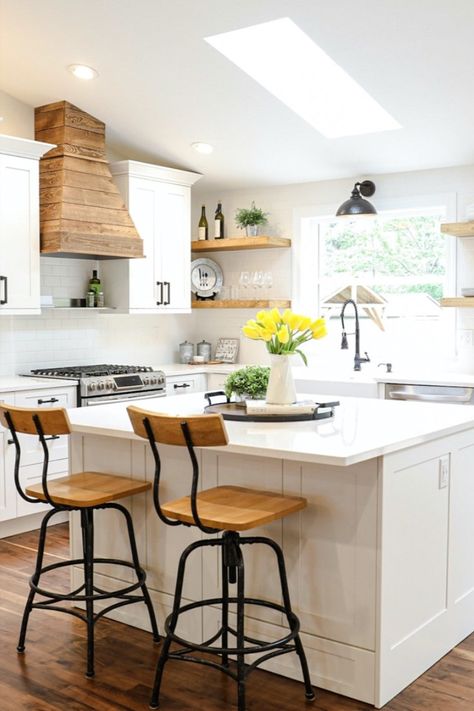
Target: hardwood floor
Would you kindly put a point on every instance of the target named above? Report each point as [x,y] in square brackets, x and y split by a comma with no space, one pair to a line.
[50,675]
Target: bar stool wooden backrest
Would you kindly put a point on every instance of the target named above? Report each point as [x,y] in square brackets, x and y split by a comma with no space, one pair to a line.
[187,431]
[44,423]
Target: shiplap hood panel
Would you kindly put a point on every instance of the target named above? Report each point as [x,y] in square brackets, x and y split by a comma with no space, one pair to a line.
[82,212]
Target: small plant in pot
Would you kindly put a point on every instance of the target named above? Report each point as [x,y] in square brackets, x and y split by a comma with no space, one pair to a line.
[251,219]
[249,383]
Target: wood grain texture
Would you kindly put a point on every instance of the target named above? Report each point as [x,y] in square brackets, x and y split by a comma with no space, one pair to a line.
[49,677]
[235,508]
[233,244]
[54,420]
[463,302]
[458,229]
[206,430]
[77,193]
[242,304]
[88,489]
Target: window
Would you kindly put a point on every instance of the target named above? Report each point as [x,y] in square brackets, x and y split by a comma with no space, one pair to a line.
[399,262]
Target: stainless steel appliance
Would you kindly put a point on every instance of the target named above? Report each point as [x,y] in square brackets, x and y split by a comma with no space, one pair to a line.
[455,394]
[102,384]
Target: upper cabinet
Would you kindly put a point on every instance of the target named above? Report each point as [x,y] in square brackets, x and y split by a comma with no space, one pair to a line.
[19,225]
[159,202]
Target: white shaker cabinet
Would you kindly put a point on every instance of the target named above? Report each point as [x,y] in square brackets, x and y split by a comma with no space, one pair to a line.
[19,225]
[7,487]
[159,202]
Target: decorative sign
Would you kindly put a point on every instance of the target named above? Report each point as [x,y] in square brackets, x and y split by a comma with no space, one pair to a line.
[227,349]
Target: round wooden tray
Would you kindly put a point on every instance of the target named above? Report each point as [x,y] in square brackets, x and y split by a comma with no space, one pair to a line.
[236,411]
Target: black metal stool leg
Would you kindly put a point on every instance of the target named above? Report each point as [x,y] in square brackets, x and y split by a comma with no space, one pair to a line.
[240,632]
[225,608]
[309,691]
[138,569]
[87,523]
[34,579]
[173,620]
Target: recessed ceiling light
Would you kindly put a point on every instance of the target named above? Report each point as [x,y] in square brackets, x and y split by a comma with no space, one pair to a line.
[82,71]
[201,147]
[1,118]
[286,62]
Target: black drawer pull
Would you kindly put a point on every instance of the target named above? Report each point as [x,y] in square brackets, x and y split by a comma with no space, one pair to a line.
[4,279]
[46,439]
[184,385]
[44,402]
[168,301]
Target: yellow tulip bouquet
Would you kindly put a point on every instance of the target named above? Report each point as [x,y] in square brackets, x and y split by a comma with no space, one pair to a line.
[285,332]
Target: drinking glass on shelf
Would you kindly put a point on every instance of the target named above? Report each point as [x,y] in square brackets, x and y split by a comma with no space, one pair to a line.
[244,282]
[267,283]
[257,282]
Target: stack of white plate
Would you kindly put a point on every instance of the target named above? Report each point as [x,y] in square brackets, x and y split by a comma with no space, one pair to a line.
[467,292]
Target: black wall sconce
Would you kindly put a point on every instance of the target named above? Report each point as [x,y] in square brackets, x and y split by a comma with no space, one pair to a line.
[357,205]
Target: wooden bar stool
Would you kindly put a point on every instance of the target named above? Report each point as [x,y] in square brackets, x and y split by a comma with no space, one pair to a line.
[226,509]
[85,492]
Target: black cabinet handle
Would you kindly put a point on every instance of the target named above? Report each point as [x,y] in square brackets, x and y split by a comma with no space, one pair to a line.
[4,279]
[46,439]
[44,402]
[167,283]
[184,385]
[159,284]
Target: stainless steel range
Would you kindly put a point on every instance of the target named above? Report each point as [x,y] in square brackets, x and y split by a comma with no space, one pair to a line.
[101,384]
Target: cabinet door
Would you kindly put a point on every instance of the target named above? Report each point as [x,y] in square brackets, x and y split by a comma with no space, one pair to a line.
[174,246]
[185,385]
[19,235]
[7,483]
[144,199]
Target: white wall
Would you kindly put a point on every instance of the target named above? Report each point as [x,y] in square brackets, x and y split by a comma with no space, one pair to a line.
[283,203]
[17,117]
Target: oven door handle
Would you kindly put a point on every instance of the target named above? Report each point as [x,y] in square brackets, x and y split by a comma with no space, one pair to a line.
[109,399]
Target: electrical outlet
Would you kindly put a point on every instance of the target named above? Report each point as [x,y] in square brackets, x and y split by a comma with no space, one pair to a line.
[443,472]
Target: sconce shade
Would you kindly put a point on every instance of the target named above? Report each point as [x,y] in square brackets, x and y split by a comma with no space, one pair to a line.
[357,205]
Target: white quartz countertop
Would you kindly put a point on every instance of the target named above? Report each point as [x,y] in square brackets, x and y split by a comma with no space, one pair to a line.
[12,383]
[367,375]
[361,429]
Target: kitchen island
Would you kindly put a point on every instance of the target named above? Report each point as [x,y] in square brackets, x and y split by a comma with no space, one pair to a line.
[380,563]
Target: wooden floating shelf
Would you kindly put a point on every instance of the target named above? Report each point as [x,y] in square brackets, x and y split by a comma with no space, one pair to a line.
[234,244]
[459,301]
[243,304]
[458,229]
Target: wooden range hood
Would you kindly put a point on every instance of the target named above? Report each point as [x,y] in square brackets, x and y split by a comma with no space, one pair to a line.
[82,212]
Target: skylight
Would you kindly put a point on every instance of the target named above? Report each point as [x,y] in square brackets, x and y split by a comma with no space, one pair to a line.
[286,62]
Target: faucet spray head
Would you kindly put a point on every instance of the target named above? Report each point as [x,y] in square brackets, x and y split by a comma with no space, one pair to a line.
[344,342]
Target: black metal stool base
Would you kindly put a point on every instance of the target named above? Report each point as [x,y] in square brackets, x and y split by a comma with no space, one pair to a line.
[87,593]
[232,572]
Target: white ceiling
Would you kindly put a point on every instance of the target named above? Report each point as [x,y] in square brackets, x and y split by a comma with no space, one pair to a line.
[161,86]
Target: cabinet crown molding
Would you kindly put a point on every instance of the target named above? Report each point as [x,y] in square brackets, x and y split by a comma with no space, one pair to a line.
[136,169]
[23,147]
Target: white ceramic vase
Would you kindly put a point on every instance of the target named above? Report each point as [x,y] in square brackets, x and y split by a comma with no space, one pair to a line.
[281,386]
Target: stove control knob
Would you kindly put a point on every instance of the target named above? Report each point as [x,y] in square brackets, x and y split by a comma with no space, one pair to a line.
[100,386]
[146,381]
[110,385]
[91,387]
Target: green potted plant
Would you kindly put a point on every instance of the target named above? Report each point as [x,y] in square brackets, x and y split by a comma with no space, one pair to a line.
[249,383]
[250,219]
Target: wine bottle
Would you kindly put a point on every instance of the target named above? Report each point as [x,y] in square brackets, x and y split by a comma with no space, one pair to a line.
[203,227]
[219,222]
[95,285]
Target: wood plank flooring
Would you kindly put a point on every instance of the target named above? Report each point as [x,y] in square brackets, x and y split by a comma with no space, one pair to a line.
[50,675]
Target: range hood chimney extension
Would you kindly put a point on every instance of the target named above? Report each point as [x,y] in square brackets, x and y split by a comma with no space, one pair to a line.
[82,213]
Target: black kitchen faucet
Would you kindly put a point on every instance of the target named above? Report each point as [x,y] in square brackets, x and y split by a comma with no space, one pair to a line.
[344,343]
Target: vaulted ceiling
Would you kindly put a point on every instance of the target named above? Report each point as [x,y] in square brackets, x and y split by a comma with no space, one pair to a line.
[161,86]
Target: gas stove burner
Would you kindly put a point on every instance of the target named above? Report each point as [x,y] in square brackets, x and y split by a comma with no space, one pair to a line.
[92,371]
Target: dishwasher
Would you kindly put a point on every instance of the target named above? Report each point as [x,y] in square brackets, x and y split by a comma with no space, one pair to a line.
[448,394]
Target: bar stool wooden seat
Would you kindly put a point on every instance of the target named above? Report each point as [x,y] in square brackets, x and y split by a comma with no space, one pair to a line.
[226,510]
[85,492]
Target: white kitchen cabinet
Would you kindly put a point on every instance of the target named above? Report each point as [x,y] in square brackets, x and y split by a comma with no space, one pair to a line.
[19,225]
[185,384]
[159,202]
[12,505]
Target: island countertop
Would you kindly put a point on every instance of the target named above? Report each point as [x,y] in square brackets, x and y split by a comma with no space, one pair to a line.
[361,429]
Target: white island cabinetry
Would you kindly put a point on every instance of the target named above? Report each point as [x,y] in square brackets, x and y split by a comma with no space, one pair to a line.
[159,202]
[379,563]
